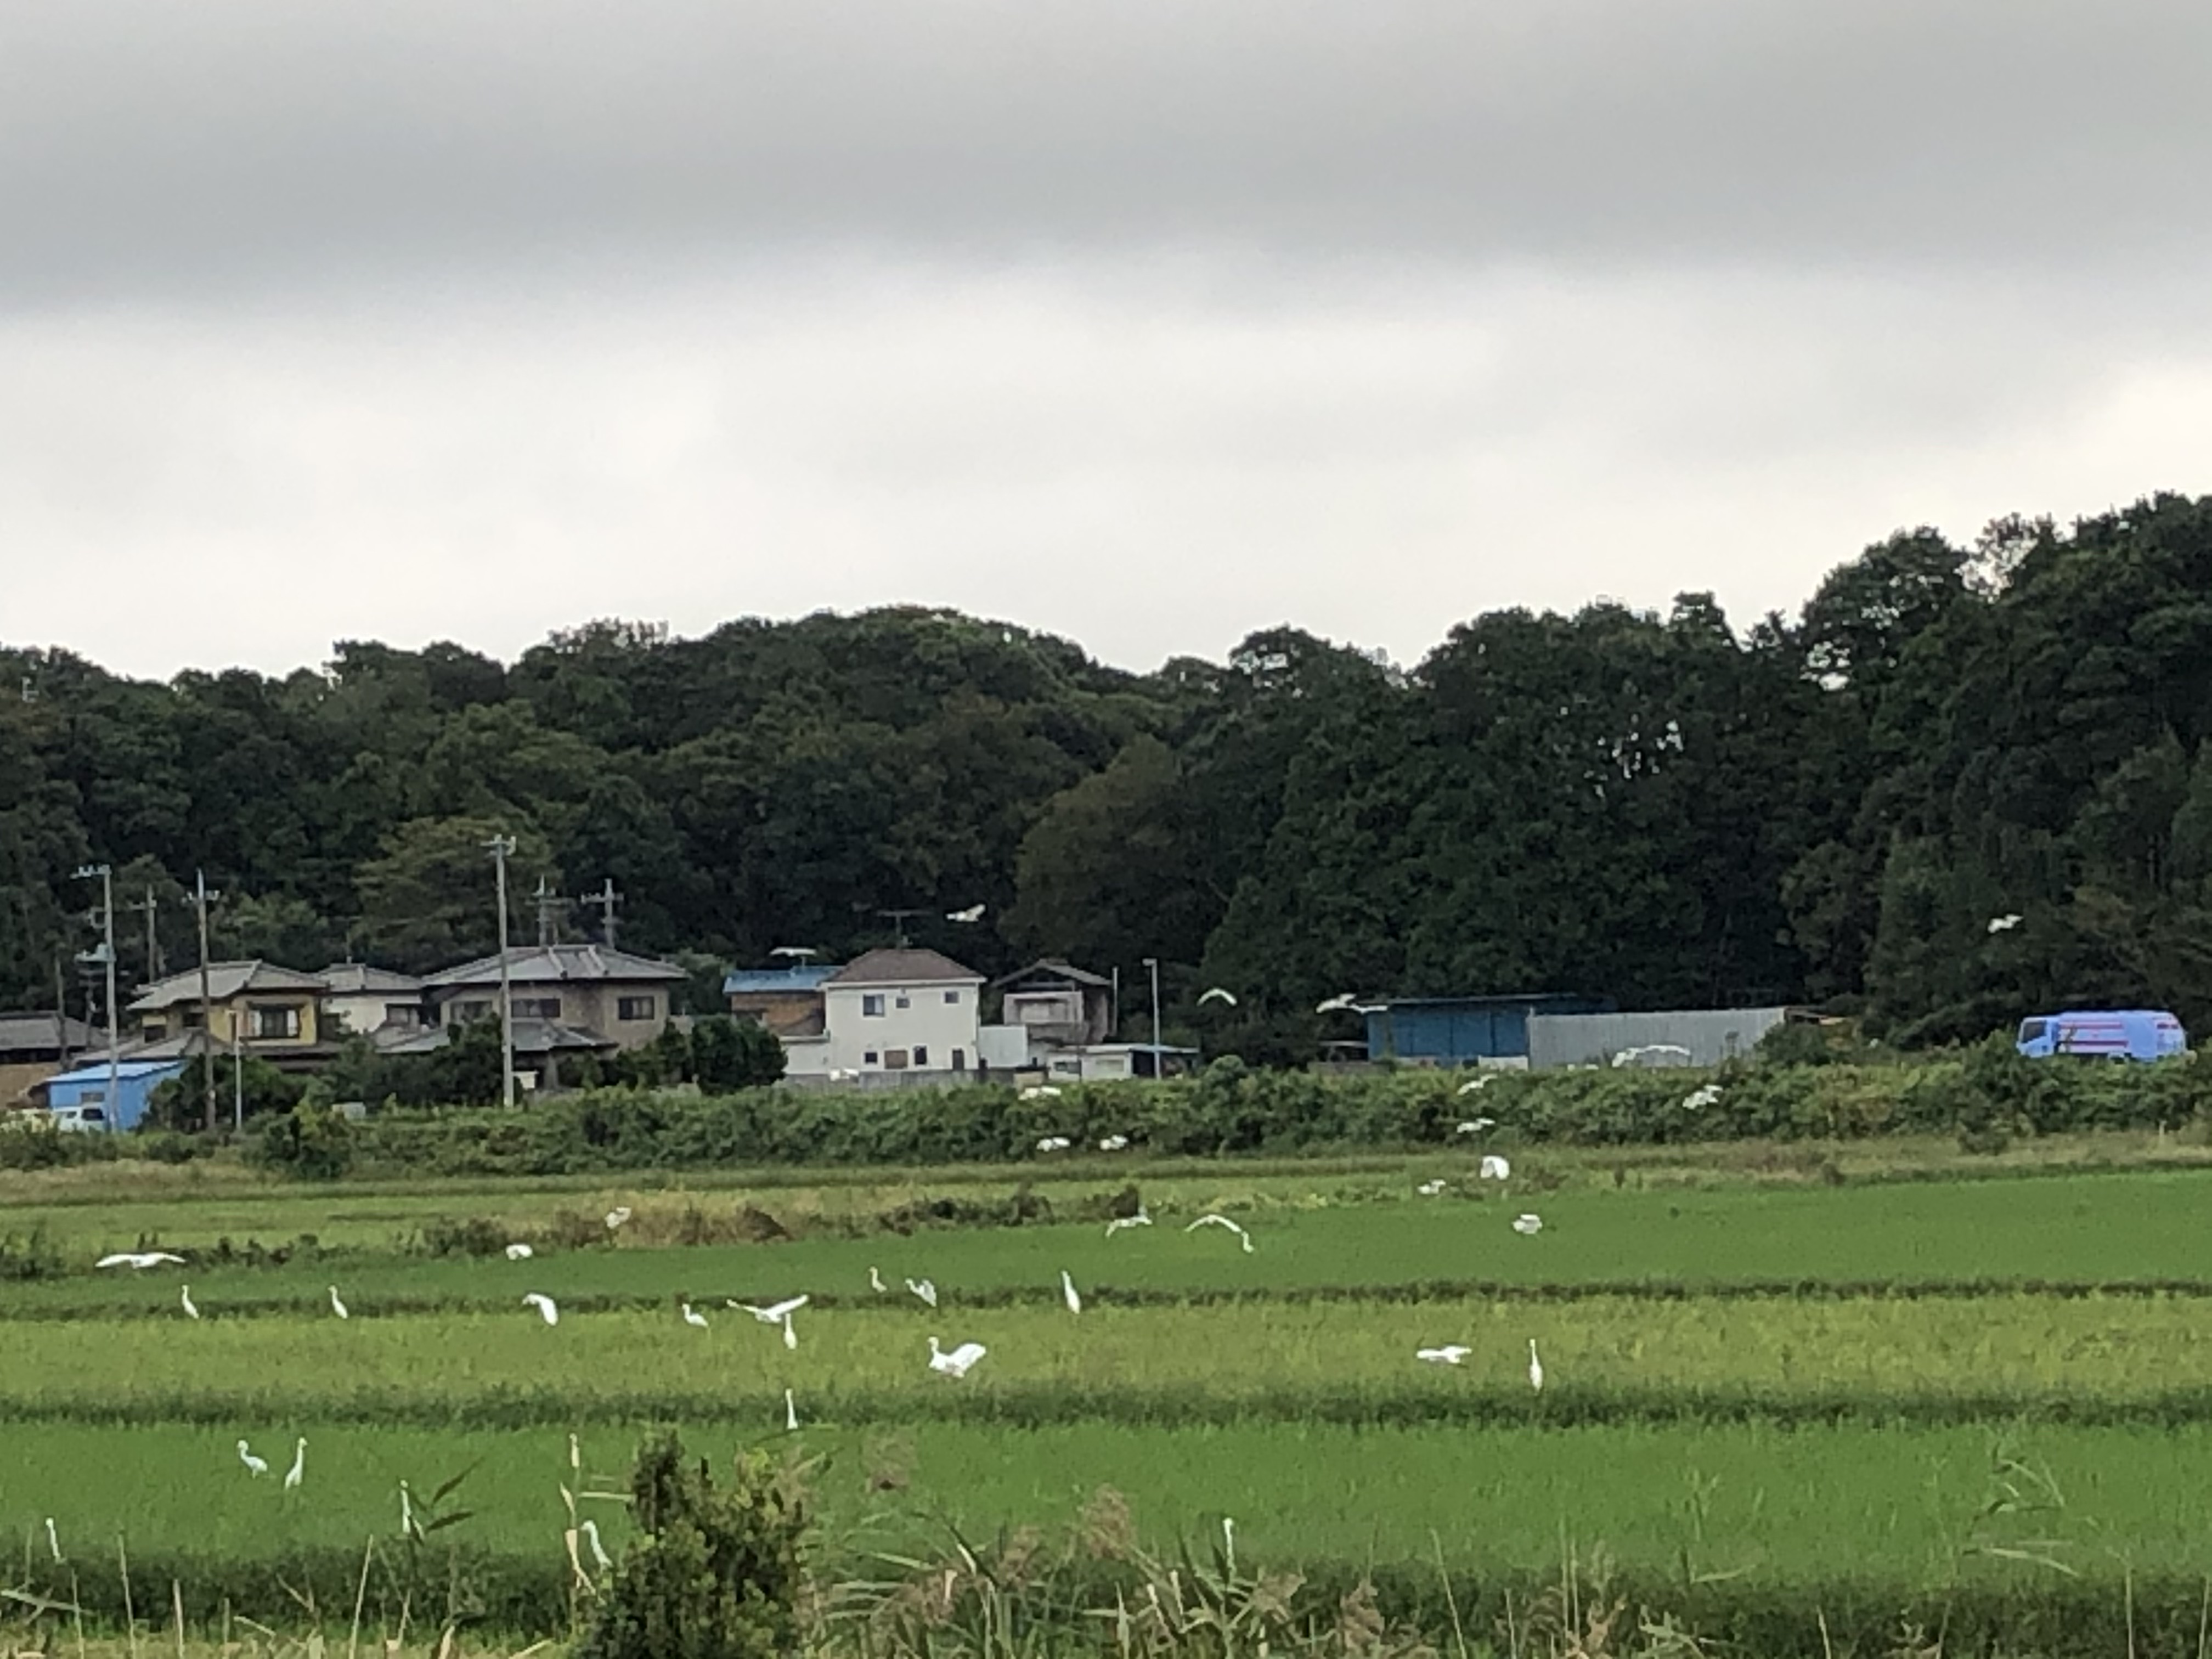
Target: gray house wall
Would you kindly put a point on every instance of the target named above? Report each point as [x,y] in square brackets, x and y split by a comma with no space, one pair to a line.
[1711,1034]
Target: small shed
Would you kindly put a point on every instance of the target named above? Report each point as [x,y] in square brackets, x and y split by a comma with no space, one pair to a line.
[1702,1037]
[135,1083]
[1466,1031]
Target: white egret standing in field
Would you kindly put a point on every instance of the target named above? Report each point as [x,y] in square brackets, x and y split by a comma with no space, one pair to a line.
[1113,1144]
[1217,994]
[192,1309]
[1494,1168]
[139,1259]
[1432,1189]
[959,1362]
[1142,1218]
[790,1413]
[519,1253]
[617,1216]
[256,1467]
[790,1333]
[876,1282]
[337,1306]
[1535,1368]
[407,1511]
[298,1472]
[777,1313]
[693,1316]
[1450,1354]
[1067,1292]
[546,1310]
[600,1558]
[925,1289]
[1222,1221]
[54,1541]
[1528,1223]
[1054,1143]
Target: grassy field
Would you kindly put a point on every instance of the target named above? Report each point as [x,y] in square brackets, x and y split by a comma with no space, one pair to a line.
[1762,1382]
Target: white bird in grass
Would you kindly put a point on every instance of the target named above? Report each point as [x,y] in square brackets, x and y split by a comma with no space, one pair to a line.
[546,1310]
[925,1289]
[600,1558]
[1431,1188]
[140,1260]
[1067,1293]
[617,1216]
[790,1333]
[959,1362]
[337,1306]
[777,1313]
[1535,1368]
[1450,1354]
[1476,1125]
[519,1253]
[54,1542]
[407,1511]
[256,1467]
[1698,1099]
[1113,1144]
[1222,1221]
[790,1413]
[876,1281]
[1494,1168]
[298,1472]
[2003,924]
[1528,1225]
[972,913]
[1040,1091]
[1216,993]
[693,1316]
[1120,1223]
[1054,1144]
[191,1307]
[1476,1085]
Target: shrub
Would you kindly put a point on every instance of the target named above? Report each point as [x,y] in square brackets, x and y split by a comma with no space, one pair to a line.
[310,1142]
[717,1573]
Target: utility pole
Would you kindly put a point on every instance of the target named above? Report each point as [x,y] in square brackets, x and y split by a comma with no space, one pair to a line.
[201,899]
[147,906]
[605,899]
[549,903]
[501,848]
[1153,963]
[237,1081]
[108,956]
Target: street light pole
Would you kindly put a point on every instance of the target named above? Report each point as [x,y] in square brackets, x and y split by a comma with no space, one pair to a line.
[1153,963]
[107,950]
[501,848]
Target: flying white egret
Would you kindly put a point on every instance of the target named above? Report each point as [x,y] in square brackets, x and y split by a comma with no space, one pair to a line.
[617,1216]
[973,913]
[1494,1168]
[1142,1218]
[1528,1226]
[2003,924]
[1654,1053]
[800,952]
[1698,1099]
[298,1472]
[777,1313]
[925,1289]
[876,1281]
[519,1253]
[1341,1002]
[1450,1354]
[1535,1367]
[1054,1144]
[1040,1091]
[139,1259]
[693,1316]
[191,1307]
[337,1306]
[790,1332]
[1222,1221]
[1476,1125]
[1431,1188]
[1476,1085]
[600,1558]
[256,1467]
[1067,1293]
[1113,1144]
[959,1362]
[790,1413]
[54,1542]
[1217,994]
[546,1310]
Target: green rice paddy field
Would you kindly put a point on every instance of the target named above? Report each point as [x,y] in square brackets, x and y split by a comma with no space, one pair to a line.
[1794,1414]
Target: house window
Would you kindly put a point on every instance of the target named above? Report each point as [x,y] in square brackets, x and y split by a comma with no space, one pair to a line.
[272,1021]
[952,997]
[467,1013]
[402,1013]
[537,1007]
[153,1031]
[194,1018]
[871,1058]
[634,1007]
[903,1003]
[921,1055]
[895,1060]
[871,1005]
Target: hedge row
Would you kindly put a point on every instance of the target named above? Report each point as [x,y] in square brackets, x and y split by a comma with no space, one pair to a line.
[1985,1096]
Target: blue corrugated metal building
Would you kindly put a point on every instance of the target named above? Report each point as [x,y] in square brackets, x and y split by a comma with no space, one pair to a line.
[135,1083]
[1462,1031]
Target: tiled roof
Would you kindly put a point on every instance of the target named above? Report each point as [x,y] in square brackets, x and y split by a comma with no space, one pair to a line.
[44,1033]
[359,978]
[225,979]
[1050,968]
[547,964]
[904,968]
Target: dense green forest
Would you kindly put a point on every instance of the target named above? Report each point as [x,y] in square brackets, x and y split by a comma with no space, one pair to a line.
[1667,809]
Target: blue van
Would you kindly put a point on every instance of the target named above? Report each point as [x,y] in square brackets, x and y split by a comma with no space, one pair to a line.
[2104,1033]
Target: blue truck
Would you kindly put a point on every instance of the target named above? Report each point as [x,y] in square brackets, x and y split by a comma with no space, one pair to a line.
[2104,1034]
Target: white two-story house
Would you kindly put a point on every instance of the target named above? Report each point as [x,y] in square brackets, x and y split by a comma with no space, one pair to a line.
[902,1011]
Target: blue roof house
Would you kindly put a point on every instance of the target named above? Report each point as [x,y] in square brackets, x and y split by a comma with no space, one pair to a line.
[135,1083]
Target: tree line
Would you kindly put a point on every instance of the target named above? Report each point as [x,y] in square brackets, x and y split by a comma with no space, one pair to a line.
[1667,809]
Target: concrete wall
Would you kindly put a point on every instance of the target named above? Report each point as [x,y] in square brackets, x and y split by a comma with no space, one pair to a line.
[1711,1034]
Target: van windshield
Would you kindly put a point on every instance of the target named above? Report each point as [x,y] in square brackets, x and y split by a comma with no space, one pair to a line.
[2030,1029]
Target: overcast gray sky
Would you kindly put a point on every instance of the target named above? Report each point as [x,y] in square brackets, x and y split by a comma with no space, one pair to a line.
[1146,322]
